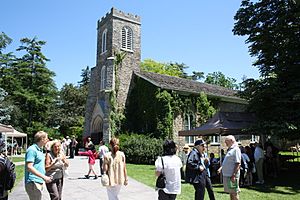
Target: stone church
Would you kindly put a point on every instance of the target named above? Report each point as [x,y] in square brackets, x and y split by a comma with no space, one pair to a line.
[121,32]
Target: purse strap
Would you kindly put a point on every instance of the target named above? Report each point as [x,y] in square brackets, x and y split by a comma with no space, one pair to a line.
[162,161]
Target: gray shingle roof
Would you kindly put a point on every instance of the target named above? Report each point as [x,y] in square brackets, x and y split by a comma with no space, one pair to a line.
[188,86]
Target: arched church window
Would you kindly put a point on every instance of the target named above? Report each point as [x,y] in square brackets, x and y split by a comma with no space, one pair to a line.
[189,123]
[104,38]
[103,78]
[127,38]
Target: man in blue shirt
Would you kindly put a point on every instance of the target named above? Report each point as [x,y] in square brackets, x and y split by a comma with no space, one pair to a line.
[35,167]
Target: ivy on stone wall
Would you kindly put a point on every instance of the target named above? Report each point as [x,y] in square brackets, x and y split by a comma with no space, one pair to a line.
[151,110]
[116,115]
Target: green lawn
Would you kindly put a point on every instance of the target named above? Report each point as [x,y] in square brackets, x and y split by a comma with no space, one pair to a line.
[17,159]
[19,173]
[285,187]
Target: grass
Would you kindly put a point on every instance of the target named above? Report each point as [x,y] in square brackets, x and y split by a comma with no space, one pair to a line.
[20,174]
[286,186]
[17,159]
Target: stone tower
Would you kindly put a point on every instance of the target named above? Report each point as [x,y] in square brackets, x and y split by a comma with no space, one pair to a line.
[117,33]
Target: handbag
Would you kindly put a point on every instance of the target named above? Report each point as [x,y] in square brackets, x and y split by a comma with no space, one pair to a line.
[65,172]
[161,179]
[105,180]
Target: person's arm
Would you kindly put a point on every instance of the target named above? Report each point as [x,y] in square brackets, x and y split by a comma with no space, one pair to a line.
[48,163]
[235,171]
[31,169]
[125,171]
[219,170]
[193,162]
[64,160]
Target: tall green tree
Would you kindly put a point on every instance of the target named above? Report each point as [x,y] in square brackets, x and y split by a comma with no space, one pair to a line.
[272,29]
[70,108]
[36,89]
[218,78]
[85,77]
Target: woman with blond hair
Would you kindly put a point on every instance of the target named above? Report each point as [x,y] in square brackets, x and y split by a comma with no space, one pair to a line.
[54,164]
[115,167]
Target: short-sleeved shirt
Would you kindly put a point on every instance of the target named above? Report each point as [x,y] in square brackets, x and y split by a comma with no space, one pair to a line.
[35,155]
[172,165]
[102,151]
[232,157]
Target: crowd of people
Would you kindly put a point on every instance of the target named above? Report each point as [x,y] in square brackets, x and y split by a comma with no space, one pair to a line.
[239,166]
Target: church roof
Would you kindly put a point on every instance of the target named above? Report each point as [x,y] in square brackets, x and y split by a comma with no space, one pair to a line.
[187,86]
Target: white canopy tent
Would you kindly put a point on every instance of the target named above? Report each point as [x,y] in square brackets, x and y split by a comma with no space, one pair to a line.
[10,132]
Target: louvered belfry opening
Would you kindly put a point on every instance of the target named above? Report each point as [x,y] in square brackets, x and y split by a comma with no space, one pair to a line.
[126,38]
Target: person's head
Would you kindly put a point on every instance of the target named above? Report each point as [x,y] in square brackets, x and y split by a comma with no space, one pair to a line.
[2,145]
[41,138]
[56,147]
[212,155]
[186,148]
[88,139]
[229,140]
[169,148]
[200,145]
[101,143]
[92,148]
[114,144]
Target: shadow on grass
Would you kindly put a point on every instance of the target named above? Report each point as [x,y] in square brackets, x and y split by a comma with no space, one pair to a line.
[286,183]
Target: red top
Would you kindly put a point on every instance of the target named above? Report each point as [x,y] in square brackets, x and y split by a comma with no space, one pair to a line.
[92,156]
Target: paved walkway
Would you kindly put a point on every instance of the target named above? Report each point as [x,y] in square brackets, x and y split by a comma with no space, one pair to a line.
[76,187]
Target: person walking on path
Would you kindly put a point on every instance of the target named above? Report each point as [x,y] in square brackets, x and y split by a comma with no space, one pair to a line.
[231,168]
[259,162]
[169,164]
[197,171]
[3,191]
[73,145]
[92,155]
[55,163]
[102,151]
[115,167]
[35,167]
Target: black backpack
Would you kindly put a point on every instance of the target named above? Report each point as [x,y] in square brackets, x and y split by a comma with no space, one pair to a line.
[8,176]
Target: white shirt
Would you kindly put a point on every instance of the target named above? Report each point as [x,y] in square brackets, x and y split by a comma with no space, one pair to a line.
[102,151]
[258,153]
[232,157]
[172,165]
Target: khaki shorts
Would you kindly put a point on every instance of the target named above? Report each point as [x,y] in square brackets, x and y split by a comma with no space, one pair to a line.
[228,188]
[34,190]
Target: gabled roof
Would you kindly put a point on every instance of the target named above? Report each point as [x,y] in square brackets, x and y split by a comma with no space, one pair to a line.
[224,123]
[189,86]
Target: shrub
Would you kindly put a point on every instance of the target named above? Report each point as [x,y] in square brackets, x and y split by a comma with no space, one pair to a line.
[140,149]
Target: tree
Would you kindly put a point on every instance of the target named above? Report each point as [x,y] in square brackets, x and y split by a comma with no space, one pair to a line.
[273,34]
[5,110]
[86,77]
[70,107]
[35,89]
[218,78]
[171,69]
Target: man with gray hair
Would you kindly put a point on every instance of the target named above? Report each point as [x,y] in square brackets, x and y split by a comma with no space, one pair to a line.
[231,168]
[35,167]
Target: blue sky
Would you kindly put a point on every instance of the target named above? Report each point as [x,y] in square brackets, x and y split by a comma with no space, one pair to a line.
[194,32]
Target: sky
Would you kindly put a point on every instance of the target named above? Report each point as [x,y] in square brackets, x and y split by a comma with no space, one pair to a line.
[197,33]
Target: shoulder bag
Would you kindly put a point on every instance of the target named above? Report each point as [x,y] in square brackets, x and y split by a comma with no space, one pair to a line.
[161,179]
